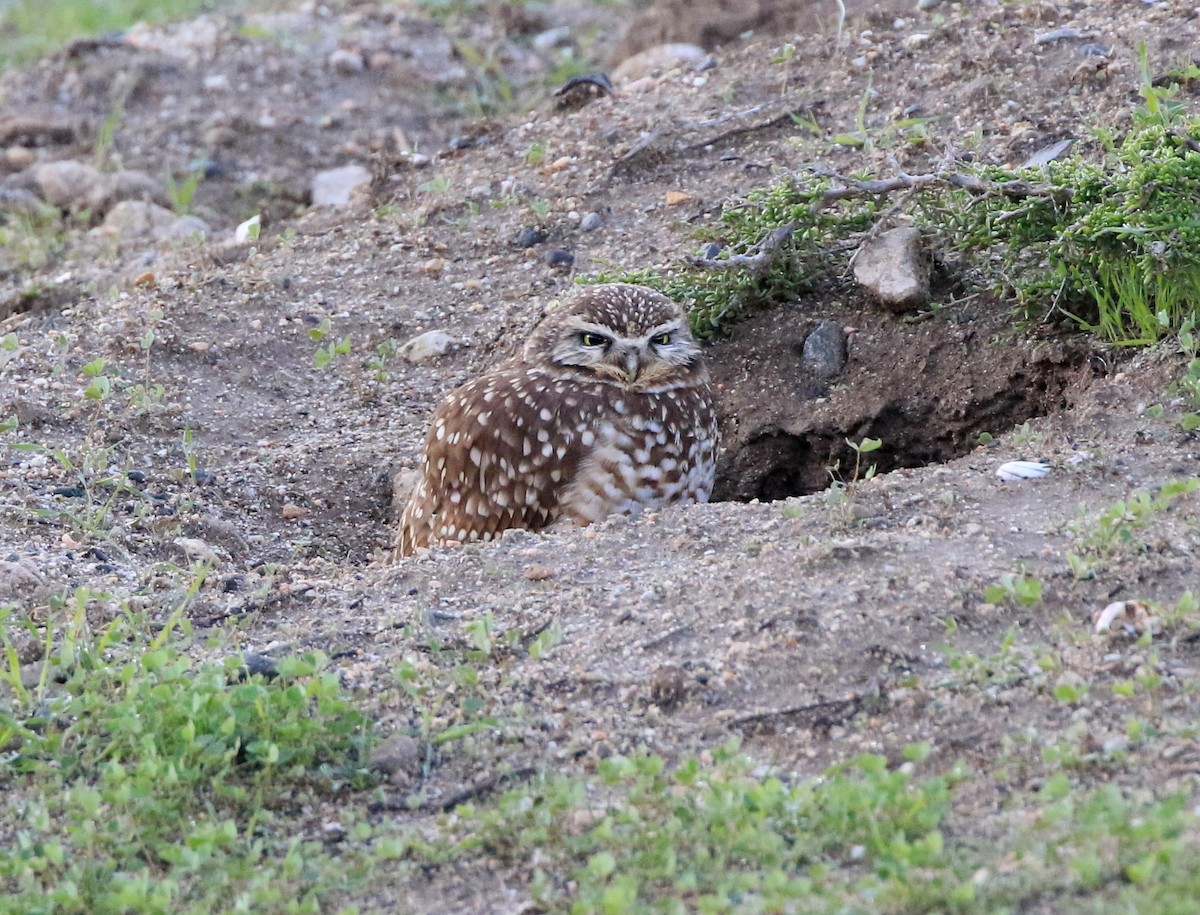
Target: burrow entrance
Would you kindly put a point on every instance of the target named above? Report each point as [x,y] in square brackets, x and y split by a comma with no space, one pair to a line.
[927,389]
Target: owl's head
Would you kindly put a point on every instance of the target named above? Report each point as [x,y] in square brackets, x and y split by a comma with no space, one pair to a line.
[625,334]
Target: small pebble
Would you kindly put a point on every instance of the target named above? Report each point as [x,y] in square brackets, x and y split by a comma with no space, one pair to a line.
[591,222]
[426,346]
[824,351]
[19,157]
[557,257]
[346,62]
[530,236]
[552,38]
[399,753]
[197,550]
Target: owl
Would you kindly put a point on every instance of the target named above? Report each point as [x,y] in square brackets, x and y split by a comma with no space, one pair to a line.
[607,409]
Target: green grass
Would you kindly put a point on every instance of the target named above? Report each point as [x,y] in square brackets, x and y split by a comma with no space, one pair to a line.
[31,28]
[1119,258]
[865,838]
[146,782]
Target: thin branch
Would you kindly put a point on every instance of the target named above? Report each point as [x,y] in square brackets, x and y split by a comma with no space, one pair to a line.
[758,263]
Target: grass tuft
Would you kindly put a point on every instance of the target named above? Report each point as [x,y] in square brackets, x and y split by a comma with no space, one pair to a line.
[146,781]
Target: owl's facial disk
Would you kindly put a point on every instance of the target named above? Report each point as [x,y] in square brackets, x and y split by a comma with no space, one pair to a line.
[633,360]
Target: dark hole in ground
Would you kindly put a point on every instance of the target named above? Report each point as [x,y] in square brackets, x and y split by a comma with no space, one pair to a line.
[926,389]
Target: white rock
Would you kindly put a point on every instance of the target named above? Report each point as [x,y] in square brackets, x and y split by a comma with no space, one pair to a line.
[333,188]
[1012,471]
[247,231]
[551,38]
[429,345]
[197,550]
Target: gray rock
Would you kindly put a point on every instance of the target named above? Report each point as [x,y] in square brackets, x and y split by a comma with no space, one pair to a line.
[347,63]
[893,268]
[132,219]
[67,184]
[429,345]
[334,187]
[530,236]
[591,222]
[188,227]
[560,258]
[17,581]
[21,202]
[74,186]
[398,754]
[129,184]
[258,665]
[825,349]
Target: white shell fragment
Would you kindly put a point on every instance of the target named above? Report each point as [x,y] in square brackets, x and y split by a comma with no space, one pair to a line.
[1133,615]
[1012,471]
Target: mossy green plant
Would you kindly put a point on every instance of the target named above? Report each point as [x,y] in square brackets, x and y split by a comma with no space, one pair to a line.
[718,294]
[1117,252]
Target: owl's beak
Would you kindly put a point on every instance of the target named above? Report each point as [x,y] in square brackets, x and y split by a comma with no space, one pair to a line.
[629,359]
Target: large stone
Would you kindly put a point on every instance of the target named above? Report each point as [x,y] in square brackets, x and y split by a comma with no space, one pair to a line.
[426,346]
[333,188]
[67,184]
[131,184]
[75,186]
[138,219]
[18,581]
[893,267]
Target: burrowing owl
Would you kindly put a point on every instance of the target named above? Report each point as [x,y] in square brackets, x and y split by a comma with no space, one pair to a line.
[607,409]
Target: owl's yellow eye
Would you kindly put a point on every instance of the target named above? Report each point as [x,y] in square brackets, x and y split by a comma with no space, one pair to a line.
[589,339]
[661,339]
